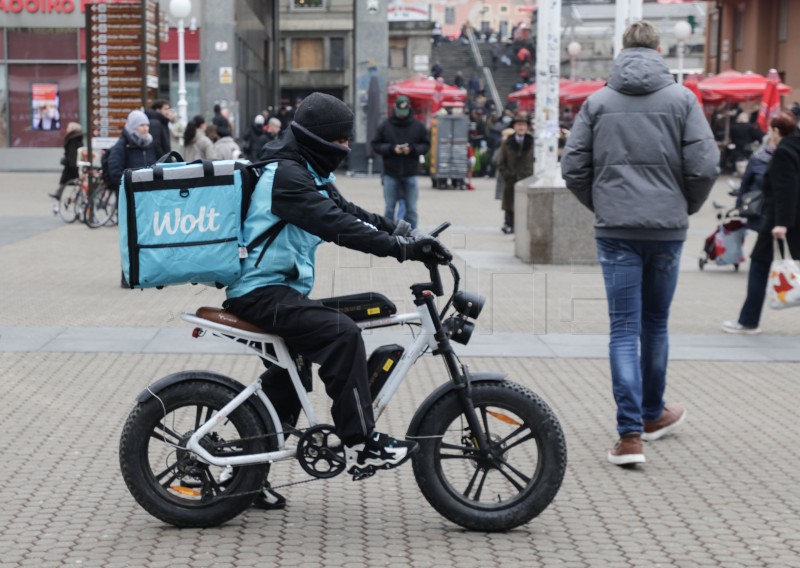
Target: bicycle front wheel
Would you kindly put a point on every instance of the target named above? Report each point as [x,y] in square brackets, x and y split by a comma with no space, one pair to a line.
[70,196]
[101,207]
[174,484]
[528,457]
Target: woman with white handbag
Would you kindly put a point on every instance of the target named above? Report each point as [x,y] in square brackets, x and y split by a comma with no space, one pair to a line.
[781,214]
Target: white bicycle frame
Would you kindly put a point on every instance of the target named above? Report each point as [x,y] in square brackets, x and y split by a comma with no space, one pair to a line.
[261,342]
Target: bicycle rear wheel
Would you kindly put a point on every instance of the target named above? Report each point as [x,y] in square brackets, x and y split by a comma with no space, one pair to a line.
[101,207]
[69,197]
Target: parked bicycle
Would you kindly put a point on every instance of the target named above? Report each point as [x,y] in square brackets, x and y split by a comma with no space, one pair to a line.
[88,199]
[195,450]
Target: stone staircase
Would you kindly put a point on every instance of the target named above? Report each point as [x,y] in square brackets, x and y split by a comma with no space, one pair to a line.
[454,57]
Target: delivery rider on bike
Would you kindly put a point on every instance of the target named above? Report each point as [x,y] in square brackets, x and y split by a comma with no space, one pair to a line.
[272,292]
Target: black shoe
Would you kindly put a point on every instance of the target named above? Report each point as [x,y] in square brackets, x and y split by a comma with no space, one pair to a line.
[379,451]
[507,230]
[269,499]
[55,196]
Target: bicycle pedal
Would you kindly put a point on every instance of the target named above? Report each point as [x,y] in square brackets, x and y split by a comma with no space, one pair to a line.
[360,474]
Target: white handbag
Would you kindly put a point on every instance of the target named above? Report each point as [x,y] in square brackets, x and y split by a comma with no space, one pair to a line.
[783,290]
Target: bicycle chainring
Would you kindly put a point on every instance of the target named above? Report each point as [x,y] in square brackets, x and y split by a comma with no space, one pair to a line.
[320,452]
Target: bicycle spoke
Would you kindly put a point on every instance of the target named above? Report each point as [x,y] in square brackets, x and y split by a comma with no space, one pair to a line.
[212,483]
[521,475]
[168,432]
[485,417]
[457,457]
[516,432]
[446,446]
[479,490]
[170,469]
[518,442]
[199,421]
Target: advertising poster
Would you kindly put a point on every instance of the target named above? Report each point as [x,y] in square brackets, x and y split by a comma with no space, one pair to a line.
[45,107]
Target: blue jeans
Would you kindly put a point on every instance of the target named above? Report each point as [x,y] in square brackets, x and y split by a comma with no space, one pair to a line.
[640,279]
[405,188]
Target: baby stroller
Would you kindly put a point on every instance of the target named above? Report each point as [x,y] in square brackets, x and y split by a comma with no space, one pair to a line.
[725,245]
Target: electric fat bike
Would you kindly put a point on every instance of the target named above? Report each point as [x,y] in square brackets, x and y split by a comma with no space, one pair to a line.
[196,448]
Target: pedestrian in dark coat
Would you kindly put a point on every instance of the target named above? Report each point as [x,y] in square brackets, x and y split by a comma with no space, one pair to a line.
[72,141]
[515,162]
[159,117]
[255,138]
[134,149]
[781,220]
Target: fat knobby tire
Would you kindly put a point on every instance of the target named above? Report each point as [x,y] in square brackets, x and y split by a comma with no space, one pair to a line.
[135,467]
[552,453]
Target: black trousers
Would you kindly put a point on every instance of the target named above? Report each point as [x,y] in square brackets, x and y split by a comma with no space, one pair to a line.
[324,336]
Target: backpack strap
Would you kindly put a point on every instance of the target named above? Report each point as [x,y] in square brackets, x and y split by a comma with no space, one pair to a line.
[267,237]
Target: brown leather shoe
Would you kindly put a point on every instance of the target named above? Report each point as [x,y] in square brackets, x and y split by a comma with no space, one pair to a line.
[628,450]
[671,419]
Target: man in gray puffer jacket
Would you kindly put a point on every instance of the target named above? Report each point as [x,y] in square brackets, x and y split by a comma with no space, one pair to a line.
[642,157]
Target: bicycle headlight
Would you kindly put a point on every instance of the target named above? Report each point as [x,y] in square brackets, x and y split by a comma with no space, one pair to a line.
[459,329]
[468,304]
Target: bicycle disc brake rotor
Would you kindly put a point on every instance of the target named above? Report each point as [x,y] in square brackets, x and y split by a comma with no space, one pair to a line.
[320,452]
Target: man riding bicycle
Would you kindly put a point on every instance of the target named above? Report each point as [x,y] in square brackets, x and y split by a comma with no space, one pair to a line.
[295,195]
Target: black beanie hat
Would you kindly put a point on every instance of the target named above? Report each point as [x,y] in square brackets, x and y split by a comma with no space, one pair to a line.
[326,116]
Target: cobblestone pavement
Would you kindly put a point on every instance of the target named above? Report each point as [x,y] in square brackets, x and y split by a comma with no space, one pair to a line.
[723,492]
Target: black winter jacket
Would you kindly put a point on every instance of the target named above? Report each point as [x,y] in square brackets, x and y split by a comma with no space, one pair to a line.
[394,131]
[159,130]
[781,199]
[125,154]
[72,142]
[297,200]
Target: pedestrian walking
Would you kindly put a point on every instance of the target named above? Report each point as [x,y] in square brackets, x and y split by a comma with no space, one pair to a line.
[401,139]
[226,148]
[159,115]
[176,130]
[73,139]
[515,162]
[436,34]
[781,220]
[642,157]
[134,149]
[273,133]
[254,138]
[196,145]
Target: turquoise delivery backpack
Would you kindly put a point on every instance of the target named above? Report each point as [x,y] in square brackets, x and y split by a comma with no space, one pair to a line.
[181,223]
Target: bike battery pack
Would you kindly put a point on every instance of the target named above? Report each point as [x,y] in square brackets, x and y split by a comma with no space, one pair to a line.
[380,366]
[362,307]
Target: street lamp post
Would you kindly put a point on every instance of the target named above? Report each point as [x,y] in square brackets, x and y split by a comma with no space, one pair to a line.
[574,50]
[180,9]
[682,32]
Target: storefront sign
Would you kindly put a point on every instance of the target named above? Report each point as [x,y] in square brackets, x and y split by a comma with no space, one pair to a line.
[60,13]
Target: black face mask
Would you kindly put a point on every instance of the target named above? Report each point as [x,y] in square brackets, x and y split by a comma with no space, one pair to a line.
[323,156]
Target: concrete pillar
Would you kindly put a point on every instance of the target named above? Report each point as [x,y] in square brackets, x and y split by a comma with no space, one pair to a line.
[218,28]
[548,67]
[371,38]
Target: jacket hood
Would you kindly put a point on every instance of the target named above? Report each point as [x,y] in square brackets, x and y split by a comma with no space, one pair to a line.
[323,157]
[639,71]
[74,134]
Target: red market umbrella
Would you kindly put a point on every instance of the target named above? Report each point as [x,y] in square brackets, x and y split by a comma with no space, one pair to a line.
[691,84]
[577,92]
[770,101]
[426,94]
[734,86]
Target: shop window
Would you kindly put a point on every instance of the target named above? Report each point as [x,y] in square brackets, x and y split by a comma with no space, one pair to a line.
[42,100]
[42,44]
[307,54]
[450,15]
[307,4]
[337,53]
[397,52]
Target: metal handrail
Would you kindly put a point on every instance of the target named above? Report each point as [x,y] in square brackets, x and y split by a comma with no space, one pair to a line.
[488,78]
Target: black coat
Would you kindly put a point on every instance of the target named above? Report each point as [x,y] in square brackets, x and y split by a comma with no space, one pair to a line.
[781,199]
[125,154]
[159,129]
[254,140]
[394,131]
[72,142]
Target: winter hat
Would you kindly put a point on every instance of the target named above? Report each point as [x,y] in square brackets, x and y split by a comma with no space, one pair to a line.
[135,119]
[259,120]
[325,116]
[402,107]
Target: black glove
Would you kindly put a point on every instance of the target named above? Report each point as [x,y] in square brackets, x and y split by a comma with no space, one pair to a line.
[424,249]
[403,229]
